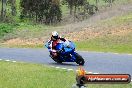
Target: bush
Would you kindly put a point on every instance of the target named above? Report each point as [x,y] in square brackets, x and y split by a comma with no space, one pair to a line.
[6,28]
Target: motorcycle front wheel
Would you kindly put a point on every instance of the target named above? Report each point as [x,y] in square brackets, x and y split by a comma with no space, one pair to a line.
[79,59]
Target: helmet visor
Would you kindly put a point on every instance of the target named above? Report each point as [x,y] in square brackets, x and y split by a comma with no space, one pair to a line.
[55,37]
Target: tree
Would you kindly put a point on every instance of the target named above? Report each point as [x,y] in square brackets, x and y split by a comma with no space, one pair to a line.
[74,4]
[44,11]
[13,7]
[109,1]
[96,2]
[81,7]
[3,9]
[12,3]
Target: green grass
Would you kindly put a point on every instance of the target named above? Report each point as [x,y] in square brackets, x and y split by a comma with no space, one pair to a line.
[108,43]
[23,75]
[118,20]
[27,75]
[23,30]
[33,27]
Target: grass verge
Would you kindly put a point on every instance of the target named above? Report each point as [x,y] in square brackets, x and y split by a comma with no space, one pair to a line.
[118,44]
[23,75]
[27,75]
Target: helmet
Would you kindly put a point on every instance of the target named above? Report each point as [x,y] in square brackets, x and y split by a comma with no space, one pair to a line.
[55,35]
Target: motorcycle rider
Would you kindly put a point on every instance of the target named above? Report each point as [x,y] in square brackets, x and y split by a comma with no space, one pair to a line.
[55,39]
[62,50]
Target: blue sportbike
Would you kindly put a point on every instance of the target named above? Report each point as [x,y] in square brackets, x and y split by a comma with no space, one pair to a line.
[66,53]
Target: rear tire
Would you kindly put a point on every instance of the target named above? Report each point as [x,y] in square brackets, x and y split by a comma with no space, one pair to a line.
[79,59]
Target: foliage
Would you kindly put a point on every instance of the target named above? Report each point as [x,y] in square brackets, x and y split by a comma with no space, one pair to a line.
[7,7]
[74,4]
[6,28]
[44,11]
[80,6]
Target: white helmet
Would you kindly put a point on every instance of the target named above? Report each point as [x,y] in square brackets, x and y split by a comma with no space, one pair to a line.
[55,35]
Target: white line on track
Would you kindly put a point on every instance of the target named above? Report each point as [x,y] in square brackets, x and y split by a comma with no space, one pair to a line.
[57,67]
[53,66]
[64,68]
[13,61]
[70,69]
[7,60]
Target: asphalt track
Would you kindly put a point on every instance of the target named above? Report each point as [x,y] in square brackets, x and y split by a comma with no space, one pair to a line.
[96,62]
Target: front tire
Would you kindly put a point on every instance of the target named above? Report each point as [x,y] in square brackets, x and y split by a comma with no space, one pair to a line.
[79,59]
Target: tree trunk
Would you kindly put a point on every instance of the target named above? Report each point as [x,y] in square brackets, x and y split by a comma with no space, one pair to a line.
[13,7]
[75,8]
[110,3]
[71,8]
[97,3]
[3,10]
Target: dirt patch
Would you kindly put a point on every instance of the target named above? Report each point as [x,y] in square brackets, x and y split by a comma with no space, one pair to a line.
[89,33]
[19,41]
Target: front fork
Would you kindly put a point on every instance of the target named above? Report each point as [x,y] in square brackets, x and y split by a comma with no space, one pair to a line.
[73,56]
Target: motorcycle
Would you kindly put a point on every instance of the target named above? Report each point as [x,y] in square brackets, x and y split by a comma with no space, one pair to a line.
[66,53]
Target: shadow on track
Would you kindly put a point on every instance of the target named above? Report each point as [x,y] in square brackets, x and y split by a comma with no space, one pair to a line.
[63,64]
